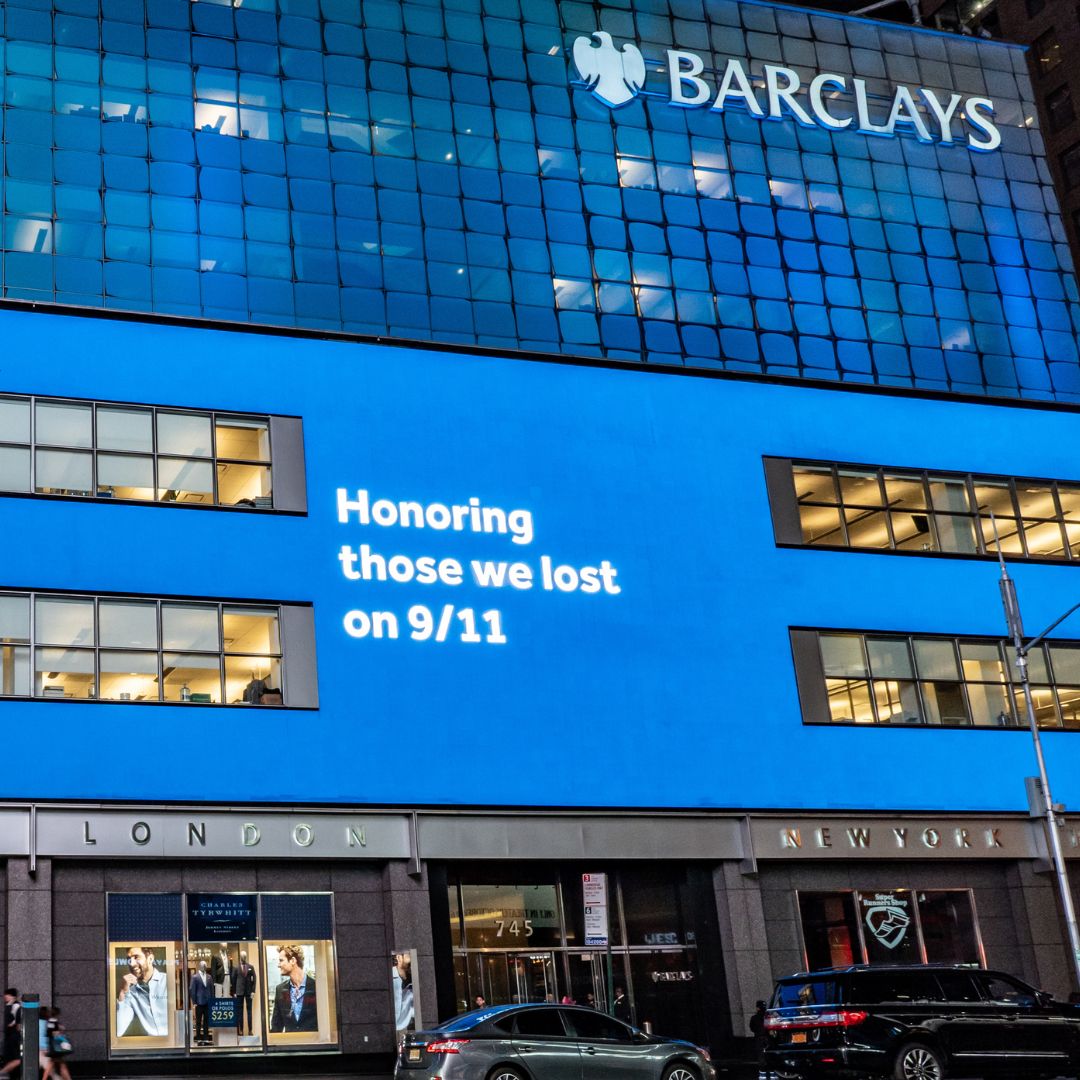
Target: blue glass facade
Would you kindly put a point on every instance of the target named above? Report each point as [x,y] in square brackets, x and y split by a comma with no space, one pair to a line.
[439,171]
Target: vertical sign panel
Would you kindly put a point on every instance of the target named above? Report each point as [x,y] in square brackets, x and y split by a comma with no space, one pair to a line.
[594,892]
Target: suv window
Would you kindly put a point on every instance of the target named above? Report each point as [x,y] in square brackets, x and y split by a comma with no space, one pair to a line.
[792,995]
[594,1025]
[876,987]
[958,986]
[540,1022]
[1005,991]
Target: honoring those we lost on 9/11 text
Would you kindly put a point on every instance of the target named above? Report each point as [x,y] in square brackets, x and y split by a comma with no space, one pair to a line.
[441,622]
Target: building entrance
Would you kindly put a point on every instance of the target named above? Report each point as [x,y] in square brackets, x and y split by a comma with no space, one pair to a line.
[531,977]
[518,943]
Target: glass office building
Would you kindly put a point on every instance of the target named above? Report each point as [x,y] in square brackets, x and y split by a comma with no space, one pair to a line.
[465,463]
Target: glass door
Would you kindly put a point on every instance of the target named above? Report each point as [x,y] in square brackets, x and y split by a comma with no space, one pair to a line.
[587,978]
[531,977]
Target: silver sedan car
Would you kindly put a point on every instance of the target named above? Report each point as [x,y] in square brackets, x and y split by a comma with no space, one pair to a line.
[546,1042]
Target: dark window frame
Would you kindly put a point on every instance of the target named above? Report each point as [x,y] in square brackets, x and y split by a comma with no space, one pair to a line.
[1046,51]
[1055,102]
[816,700]
[284,437]
[295,653]
[937,522]
[1069,161]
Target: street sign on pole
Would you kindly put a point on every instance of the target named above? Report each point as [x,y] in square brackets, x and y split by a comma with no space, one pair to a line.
[597,927]
[594,892]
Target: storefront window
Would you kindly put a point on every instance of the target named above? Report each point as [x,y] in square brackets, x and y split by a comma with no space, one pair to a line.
[892,926]
[830,935]
[223,966]
[233,972]
[948,927]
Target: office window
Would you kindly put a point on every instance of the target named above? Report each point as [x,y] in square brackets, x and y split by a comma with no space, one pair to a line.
[136,649]
[1059,108]
[862,677]
[874,508]
[148,454]
[1047,51]
[1070,166]
[889,927]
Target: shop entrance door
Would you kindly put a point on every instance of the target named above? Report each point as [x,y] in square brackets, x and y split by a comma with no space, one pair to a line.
[531,977]
[588,978]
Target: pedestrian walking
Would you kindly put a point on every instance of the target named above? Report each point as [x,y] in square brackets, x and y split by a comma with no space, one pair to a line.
[58,1049]
[757,1029]
[44,1064]
[12,1034]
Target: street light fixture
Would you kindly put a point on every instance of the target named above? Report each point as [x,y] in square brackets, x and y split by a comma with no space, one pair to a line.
[1016,631]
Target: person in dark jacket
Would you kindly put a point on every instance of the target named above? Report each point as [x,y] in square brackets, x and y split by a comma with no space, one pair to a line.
[757,1029]
[200,994]
[245,983]
[620,1007]
[12,1034]
[295,1003]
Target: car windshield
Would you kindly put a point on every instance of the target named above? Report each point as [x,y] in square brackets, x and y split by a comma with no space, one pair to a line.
[802,993]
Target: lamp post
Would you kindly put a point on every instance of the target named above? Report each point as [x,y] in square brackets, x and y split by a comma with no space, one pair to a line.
[1016,631]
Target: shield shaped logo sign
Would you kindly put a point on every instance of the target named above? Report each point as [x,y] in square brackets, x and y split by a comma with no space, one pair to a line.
[888,922]
[614,77]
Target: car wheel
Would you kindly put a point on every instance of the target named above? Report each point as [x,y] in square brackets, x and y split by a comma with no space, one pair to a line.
[919,1062]
[504,1072]
[680,1071]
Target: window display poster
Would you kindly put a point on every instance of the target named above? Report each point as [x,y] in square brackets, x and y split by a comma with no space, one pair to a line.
[222,917]
[145,994]
[300,992]
[889,929]
[402,966]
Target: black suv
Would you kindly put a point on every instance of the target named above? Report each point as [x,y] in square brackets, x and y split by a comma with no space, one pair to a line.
[918,1023]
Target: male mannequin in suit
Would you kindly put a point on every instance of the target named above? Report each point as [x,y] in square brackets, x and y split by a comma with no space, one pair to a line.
[295,1004]
[221,971]
[245,982]
[200,994]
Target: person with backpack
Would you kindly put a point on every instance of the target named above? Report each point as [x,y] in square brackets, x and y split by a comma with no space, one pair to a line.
[58,1047]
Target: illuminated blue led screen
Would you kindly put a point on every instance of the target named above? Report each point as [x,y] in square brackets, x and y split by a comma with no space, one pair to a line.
[441,171]
[656,670]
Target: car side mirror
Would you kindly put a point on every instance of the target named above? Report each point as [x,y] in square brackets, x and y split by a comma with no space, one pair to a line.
[640,1036]
[1043,999]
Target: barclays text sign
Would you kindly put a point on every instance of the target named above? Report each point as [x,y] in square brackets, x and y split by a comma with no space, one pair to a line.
[832,101]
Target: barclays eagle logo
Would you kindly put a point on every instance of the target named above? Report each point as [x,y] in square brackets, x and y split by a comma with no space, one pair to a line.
[615,77]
